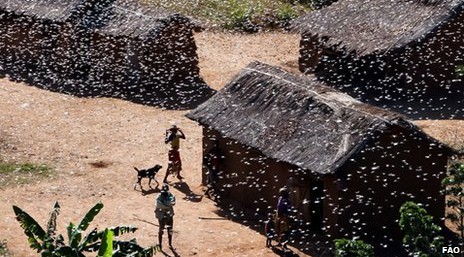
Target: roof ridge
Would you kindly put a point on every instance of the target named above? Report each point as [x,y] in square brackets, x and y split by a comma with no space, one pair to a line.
[321,96]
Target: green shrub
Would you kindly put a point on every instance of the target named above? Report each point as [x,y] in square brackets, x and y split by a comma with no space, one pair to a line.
[455,194]
[285,14]
[352,248]
[240,19]
[48,244]
[421,235]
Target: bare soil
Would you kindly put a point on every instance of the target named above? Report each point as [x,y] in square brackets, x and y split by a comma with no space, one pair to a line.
[94,143]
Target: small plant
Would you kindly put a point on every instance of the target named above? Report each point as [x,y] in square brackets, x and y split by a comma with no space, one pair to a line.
[285,14]
[421,237]
[48,244]
[352,248]
[240,18]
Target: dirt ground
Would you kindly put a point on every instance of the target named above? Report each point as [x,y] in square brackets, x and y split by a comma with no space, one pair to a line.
[93,144]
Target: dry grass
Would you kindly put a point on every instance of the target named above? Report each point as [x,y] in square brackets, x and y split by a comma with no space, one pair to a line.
[451,132]
[232,14]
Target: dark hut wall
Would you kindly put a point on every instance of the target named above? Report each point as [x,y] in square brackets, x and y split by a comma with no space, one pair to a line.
[21,40]
[433,63]
[253,180]
[109,61]
[171,55]
[34,47]
[395,166]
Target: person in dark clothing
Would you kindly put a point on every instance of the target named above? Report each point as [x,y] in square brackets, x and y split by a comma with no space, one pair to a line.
[282,218]
[269,229]
[164,212]
[211,162]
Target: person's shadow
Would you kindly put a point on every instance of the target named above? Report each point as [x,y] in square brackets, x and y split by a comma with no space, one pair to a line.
[189,194]
[284,252]
[175,254]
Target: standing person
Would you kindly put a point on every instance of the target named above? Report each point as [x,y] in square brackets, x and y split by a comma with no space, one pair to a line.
[164,212]
[173,136]
[282,217]
[269,229]
[211,161]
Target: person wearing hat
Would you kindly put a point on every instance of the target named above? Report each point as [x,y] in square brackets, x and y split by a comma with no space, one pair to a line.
[164,212]
[173,136]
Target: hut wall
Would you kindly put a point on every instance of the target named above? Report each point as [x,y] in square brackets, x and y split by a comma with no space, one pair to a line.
[391,170]
[431,64]
[109,64]
[6,22]
[253,180]
[331,201]
[58,54]
[169,56]
[21,41]
[310,53]
[29,46]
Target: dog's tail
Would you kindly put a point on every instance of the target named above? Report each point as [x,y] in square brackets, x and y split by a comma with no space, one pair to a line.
[135,168]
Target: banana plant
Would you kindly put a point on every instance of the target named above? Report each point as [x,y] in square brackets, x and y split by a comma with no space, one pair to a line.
[48,244]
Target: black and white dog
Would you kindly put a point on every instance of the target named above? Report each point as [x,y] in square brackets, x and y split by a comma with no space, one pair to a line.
[147,173]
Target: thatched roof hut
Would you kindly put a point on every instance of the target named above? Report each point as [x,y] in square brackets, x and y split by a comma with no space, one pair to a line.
[388,51]
[284,116]
[104,47]
[280,129]
[367,26]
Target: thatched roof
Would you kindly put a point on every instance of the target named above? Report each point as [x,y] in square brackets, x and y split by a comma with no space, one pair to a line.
[366,26]
[57,10]
[129,18]
[112,17]
[294,118]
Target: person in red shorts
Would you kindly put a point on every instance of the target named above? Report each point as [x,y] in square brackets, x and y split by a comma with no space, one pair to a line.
[173,136]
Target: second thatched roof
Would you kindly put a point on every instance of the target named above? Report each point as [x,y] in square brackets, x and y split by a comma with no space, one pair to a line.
[367,26]
[126,18]
[294,118]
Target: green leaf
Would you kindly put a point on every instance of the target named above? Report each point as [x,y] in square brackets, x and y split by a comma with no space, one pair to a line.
[76,234]
[148,252]
[120,230]
[68,251]
[32,229]
[72,230]
[106,248]
[51,226]
[84,224]
[90,238]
